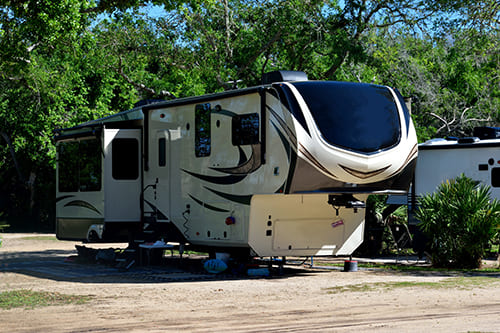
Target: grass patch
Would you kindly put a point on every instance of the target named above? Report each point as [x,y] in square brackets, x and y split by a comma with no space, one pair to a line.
[30,299]
[186,253]
[450,283]
[44,238]
[412,268]
[407,268]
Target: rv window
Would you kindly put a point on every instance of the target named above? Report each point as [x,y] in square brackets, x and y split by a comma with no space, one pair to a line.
[162,158]
[68,166]
[245,129]
[90,165]
[79,166]
[125,159]
[202,124]
[360,117]
[495,177]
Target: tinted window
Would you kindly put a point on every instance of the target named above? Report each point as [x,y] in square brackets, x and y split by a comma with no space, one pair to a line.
[202,144]
[79,166]
[68,166]
[162,158]
[495,177]
[245,129]
[358,117]
[125,159]
[90,165]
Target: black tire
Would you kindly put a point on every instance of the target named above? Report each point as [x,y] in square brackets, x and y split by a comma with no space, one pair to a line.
[93,236]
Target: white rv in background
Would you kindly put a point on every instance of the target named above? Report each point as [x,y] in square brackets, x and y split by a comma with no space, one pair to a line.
[476,157]
[281,169]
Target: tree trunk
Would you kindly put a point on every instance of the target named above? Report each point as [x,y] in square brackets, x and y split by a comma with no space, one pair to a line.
[13,154]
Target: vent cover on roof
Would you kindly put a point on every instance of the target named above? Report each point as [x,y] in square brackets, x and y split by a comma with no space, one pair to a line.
[283,76]
[487,132]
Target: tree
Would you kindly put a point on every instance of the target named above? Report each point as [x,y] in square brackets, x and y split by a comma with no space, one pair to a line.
[48,79]
[247,38]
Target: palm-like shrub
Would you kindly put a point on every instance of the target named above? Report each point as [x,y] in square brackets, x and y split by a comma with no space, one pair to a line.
[459,219]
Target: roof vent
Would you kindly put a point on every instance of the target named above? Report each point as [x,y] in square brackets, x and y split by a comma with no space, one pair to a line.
[283,76]
[470,139]
[487,132]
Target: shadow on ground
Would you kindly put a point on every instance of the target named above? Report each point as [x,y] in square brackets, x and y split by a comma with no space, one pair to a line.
[63,265]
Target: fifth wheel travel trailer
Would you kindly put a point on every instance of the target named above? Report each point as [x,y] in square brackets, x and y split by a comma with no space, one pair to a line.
[281,169]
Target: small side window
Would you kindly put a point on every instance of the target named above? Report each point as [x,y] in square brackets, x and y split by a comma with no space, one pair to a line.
[125,159]
[245,129]
[495,177]
[202,139]
[162,156]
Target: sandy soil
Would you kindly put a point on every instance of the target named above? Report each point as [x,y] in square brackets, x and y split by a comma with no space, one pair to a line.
[303,300]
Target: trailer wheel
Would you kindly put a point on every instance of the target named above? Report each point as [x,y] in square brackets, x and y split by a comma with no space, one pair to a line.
[93,236]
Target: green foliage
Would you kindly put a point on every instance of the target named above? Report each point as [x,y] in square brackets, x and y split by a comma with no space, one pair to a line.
[459,219]
[468,283]
[386,230]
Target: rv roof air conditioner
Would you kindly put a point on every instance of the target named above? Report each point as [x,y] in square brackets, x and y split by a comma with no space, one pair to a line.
[469,139]
[283,76]
[484,132]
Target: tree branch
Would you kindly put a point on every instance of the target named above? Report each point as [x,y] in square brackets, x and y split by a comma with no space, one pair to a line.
[447,124]
[162,93]
[261,50]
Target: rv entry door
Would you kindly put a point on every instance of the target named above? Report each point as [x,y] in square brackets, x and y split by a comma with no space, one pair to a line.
[122,185]
[157,198]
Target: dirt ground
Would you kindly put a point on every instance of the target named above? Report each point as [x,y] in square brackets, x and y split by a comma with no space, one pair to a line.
[301,300]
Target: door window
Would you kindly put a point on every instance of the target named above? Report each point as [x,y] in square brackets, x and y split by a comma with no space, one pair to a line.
[125,159]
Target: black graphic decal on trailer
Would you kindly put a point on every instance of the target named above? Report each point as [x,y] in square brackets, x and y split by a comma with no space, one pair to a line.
[84,204]
[245,166]
[224,180]
[242,199]
[201,203]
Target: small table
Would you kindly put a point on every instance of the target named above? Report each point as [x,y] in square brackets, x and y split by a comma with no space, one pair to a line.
[148,247]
